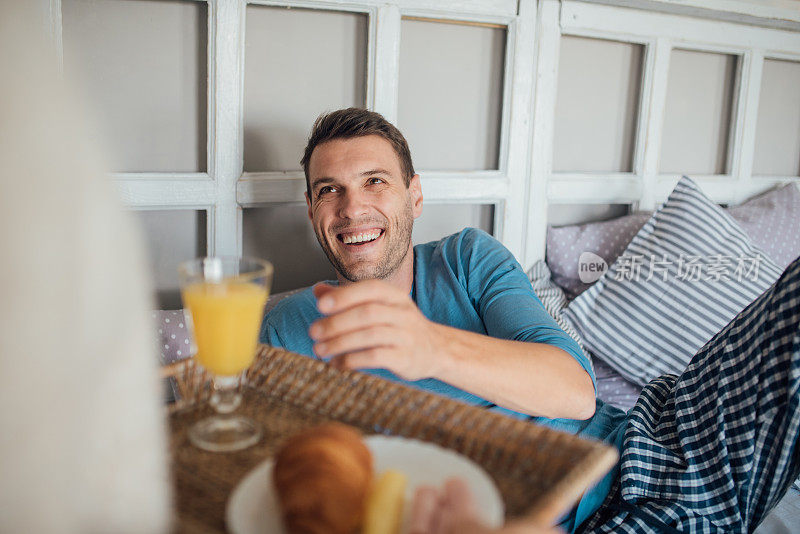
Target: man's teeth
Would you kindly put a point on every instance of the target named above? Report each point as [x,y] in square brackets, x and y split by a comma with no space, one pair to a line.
[360,238]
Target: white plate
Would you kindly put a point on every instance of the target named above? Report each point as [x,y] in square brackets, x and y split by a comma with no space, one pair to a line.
[253,505]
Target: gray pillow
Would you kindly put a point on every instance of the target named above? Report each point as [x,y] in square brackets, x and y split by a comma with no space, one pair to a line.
[684,276]
[174,338]
[613,388]
[606,239]
[771,220]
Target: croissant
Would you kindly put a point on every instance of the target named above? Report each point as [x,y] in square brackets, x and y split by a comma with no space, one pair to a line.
[322,477]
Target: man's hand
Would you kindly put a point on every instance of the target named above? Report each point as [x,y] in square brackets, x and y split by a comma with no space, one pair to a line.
[372,324]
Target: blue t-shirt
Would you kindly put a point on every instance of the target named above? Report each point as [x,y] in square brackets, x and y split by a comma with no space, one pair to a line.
[471,281]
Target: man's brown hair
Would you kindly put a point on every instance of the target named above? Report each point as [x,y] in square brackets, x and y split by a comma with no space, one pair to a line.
[357,122]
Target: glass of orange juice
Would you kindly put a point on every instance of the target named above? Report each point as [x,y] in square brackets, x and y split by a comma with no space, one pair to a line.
[224,301]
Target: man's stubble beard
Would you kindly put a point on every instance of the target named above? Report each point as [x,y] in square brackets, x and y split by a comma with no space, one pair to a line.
[396,251]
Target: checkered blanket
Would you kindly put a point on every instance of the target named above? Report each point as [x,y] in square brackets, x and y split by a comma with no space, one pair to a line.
[716,448]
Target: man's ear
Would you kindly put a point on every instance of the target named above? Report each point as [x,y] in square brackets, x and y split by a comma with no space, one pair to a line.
[308,203]
[415,190]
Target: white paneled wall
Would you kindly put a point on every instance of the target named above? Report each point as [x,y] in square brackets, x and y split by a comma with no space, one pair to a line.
[697,113]
[596,105]
[147,123]
[282,233]
[186,238]
[448,133]
[298,63]
[513,108]
[727,178]
[777,149]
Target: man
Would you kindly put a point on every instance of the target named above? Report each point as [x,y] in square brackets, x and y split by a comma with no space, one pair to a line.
[459,317]
[362,197]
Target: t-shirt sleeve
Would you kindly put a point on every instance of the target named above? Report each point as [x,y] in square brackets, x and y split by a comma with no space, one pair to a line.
[286,324]
[269,334]
[503,296]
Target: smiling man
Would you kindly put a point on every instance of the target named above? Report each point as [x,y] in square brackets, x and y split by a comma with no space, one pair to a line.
[458,317]
[440,315]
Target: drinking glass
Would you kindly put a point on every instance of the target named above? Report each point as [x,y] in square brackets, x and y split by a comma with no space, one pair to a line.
[224,300]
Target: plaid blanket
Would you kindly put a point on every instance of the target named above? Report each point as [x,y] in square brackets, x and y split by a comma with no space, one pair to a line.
[716,448]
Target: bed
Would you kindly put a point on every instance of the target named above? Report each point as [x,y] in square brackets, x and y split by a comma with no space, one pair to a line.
[769,222]
[764,227]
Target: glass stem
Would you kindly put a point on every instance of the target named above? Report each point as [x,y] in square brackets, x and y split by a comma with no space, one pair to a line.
[226,398]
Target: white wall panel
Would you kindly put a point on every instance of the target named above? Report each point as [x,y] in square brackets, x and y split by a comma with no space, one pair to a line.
[478,10]
[298,63]
[563,214]
[548,31]
[596,105]
[642,25]
[142,67]
[439,220]
[282,234]
[777,145]
[515,110]
[697,113]
[450,94]
[171,236]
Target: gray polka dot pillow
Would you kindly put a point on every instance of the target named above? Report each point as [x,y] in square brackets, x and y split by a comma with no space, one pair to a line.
[607,239]
[770,220]
[174,338]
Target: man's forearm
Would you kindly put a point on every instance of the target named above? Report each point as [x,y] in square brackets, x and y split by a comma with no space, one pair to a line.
[373,325]
[532,378]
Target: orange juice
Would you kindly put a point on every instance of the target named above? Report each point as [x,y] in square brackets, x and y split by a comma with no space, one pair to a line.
[226,318]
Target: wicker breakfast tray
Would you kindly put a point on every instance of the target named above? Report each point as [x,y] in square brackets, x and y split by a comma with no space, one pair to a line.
[539,472]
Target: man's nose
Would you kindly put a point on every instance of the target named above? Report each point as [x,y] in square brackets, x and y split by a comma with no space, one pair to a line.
[353,204]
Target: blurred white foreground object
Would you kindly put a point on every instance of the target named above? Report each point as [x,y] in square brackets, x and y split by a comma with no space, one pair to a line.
[83,442]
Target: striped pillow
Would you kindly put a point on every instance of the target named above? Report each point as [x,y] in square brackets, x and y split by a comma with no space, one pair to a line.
[684,276]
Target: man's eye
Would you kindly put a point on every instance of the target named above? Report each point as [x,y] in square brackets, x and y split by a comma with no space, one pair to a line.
[326,189]
[375,181]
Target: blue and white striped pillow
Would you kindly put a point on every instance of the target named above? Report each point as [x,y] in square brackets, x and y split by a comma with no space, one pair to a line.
[645,328]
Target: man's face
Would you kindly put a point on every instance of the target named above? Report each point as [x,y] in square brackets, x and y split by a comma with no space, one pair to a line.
[361,210]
